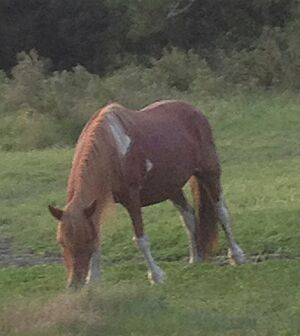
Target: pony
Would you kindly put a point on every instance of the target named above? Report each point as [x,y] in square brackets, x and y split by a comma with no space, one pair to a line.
[139,158]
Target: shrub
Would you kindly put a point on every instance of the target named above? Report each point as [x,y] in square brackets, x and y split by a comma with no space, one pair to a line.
[207,83]
[135,86]
[41,109]
[260,66]
[273,62]
[28,82]
[291,66]
[3,86]
[177,68]
[36,131]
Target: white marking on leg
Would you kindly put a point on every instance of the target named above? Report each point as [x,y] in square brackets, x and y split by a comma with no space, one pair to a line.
[94,269]
[123,141]
[189,220]
[155,274]
[149,165]
[235,253]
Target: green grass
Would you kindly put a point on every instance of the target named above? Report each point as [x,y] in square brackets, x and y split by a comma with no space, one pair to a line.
[30,281]
[258,141]
[257,299]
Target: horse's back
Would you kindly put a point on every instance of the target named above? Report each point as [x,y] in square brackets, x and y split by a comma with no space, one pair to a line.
[174,124]
[166,108]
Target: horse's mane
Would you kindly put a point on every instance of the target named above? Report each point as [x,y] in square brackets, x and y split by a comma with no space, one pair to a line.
[94,148]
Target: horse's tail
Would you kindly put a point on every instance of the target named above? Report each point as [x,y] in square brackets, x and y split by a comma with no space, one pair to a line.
[205,198]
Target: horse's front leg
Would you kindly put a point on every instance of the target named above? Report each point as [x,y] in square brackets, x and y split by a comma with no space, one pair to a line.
[155,274]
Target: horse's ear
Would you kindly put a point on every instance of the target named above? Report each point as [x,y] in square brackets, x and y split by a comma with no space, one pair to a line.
[55,212]
[90,209]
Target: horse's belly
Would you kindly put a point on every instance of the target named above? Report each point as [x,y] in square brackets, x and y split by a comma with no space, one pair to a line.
[161,187]
[148,197]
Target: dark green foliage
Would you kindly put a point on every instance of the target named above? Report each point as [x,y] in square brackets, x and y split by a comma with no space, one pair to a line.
[68,32]
[102,35]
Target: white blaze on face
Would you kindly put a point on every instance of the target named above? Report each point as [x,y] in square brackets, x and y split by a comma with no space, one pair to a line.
[123,141]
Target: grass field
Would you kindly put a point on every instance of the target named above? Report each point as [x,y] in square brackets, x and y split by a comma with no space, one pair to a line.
[259,145]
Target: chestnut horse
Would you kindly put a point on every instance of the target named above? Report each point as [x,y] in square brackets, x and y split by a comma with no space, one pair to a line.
[139,158]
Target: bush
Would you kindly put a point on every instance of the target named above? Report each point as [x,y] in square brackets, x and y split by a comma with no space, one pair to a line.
[36,131]
[273,62]
[260,66]
[207,83]
[42,109]
[177,68]
[26,90]
[3,86]
[291,66]
[176,75]
[39,108]
[135,86]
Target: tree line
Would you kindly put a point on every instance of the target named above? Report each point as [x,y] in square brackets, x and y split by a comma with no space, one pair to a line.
[104,35]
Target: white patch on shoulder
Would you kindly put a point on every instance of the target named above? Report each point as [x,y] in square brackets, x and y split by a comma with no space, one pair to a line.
[123,141]
[149,165]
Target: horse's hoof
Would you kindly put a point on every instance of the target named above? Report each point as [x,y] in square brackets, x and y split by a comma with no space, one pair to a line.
[156,277]
[236,256]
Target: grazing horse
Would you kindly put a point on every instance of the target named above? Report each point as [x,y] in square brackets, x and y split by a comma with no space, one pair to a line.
[139,158]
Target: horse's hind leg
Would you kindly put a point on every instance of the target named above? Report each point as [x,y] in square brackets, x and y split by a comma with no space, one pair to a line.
[155,274]
[207,194]
[235,253]
[189,220]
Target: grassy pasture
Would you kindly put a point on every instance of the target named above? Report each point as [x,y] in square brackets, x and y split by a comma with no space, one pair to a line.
[258,141]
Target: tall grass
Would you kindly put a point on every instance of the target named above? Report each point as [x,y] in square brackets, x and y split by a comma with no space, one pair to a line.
[207,300]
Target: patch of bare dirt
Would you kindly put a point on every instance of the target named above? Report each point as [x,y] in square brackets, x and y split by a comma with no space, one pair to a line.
[8,258]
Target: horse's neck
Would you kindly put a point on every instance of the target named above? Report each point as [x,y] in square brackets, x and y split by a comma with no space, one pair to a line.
[92,174]
[89,183]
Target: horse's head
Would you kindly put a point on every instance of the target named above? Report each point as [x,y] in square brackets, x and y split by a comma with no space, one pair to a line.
[78,237]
